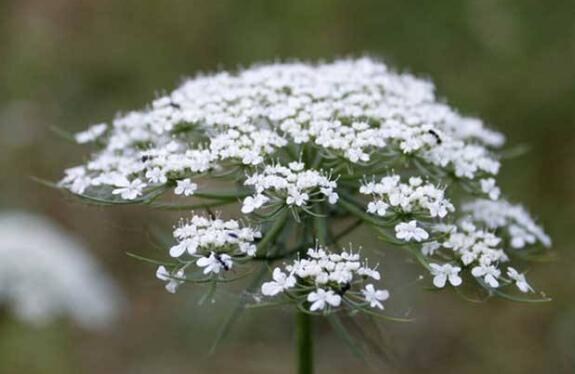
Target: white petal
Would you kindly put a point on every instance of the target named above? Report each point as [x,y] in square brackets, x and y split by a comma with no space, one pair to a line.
[439,280]
[271,288]
[319,304]
[177,250]
[204,261]
[333,299]
[455,280]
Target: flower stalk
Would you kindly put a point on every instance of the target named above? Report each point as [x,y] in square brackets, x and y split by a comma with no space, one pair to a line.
[304,341]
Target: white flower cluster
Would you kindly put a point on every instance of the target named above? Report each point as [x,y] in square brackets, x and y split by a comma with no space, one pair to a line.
[302,136]
[392,196]
[291,185]
[46,274]
[201,234]
[475,245]
[325,280]
[475,249]
[353,108]
[513,219]
[211,243]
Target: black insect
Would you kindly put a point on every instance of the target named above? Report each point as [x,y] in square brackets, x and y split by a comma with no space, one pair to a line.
[233,234]
[146,158]
[224,265]
[344,289]
[435,135]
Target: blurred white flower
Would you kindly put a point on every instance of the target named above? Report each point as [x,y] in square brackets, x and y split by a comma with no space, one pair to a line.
[46,274]
[91,134]
[489,187]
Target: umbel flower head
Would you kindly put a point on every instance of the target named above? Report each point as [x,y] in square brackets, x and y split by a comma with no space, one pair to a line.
[305,153]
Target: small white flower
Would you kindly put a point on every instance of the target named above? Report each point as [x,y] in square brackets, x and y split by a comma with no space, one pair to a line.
[248,249]
[129,190]
[214,263]
[156,175]
[377,207]
[409,231]
[252,203]
[375,297]
[296,166]
[185,187]
[297,198]
[489,273]
[519,279]
[443,273]
[415,181]
[332,197]
[252,158]
[488,187]
[173,280]
[372,273]
[429,248]
[280,282]
[189,245]
[320,298]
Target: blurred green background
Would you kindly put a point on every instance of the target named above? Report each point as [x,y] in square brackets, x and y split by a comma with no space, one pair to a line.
[70,63]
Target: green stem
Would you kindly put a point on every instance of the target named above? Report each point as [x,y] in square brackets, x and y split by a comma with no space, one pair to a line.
[176,206]
[232,195]
[273,232]
[304,343]
[320,226]
[358,212]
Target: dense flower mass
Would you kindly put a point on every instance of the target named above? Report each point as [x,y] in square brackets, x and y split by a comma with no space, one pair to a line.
[355,110]
[302,148]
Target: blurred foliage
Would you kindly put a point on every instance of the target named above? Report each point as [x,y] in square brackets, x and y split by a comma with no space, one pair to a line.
[68,63]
